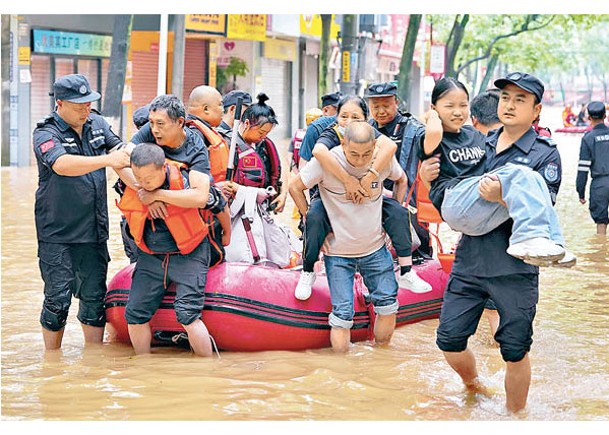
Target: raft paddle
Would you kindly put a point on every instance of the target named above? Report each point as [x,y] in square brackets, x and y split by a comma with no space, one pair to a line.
[233,140]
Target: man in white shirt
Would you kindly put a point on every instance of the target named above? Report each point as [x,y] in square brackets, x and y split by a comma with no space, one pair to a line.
[357,243]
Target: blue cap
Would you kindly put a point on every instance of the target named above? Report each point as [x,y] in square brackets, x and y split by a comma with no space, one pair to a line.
[74,88]
[524,81]
[230,99]
[140,116]
[381,90]
[330,99]
[596,110]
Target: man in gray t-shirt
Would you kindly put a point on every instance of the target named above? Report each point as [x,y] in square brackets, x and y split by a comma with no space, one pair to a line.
[357,243]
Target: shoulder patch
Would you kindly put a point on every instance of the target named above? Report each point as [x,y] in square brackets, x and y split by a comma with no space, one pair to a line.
[547,140]
[45,146]
[550,172]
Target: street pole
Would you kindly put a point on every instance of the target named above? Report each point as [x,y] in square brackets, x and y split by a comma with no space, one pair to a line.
[161,87]
[349,55]
[179,42]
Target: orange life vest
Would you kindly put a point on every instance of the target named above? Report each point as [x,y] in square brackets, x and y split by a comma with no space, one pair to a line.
[186,225]
[218,149]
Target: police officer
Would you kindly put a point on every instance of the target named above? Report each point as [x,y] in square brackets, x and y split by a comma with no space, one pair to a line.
[594,158]
[329,105]
[483,269]
[229,101]
[406,131]
[73,146]
[140,116]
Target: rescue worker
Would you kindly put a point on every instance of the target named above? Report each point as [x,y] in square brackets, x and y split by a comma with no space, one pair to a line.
[594,158]
[262,168]
[329,105]
[73,146]
[406,131]
[484,269]
[229,101]
[167,128]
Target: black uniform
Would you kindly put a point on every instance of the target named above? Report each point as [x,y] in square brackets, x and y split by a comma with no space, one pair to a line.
[483,269]
[407,132]
[72,221]
[594,158]
[225,131]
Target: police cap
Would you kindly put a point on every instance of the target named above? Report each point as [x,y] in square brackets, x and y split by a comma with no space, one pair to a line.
[140,116]
[331,99]
[74,88]
[381,90]
[524,81]
[230,99]
[596,110]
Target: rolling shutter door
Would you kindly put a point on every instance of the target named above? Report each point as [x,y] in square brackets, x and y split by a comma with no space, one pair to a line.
[195,66]
[41,104]
[145,72]
[276,84]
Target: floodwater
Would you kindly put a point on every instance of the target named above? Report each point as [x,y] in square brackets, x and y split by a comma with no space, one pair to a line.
[409,380]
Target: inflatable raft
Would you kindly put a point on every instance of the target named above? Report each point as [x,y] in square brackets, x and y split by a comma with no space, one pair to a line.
[573,129]
[253,308]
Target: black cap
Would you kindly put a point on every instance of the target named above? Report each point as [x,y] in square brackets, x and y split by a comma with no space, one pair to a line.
[596,110]
[230,99]
[381,90]
[331,99]
[140,116]
[524,81]
[74,88]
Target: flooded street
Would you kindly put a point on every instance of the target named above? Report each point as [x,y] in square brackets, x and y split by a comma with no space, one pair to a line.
[410,380]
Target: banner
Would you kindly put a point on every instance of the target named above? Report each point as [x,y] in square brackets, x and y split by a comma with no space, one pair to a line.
[83,44]
[246,26]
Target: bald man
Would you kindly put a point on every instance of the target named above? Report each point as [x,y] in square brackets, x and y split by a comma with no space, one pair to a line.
[205,104]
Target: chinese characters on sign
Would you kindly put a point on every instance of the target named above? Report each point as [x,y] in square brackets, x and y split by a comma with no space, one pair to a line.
[84,44]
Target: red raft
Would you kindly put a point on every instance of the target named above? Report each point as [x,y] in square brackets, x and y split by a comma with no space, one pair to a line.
[574,129]
[253,308]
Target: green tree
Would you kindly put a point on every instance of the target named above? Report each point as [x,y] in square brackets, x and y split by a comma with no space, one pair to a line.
[117,69]
[405,73]
[236,67]
[324,53]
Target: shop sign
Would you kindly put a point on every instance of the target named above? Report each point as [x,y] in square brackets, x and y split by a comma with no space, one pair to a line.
[208,24]
[280,49]
[78,44]
[251,27]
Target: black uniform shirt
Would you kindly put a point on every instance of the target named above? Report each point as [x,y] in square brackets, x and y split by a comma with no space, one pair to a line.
[193,151]
[71,209]
[225,131]
[593,157]
[485,256]
[461,157]
[407,155]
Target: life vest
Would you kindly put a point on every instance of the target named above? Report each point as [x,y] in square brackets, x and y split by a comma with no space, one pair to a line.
[297,140]
[218,149]
[186,225]
[250,169]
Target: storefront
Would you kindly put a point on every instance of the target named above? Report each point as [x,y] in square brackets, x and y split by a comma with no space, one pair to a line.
[57,53]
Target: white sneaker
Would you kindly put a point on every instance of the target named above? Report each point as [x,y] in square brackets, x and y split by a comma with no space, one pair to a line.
[538,248]
[569,260]
[412,281]
[304,286]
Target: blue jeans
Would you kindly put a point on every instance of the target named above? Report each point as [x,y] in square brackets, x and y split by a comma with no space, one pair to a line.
[528,204]
[376,270]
